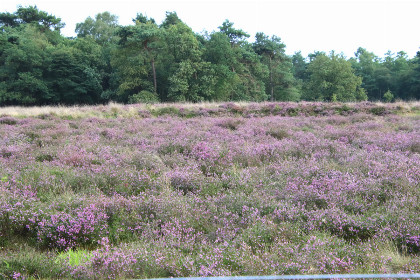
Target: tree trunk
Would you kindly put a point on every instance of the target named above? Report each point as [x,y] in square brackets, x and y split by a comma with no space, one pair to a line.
[154,74]
[271,80]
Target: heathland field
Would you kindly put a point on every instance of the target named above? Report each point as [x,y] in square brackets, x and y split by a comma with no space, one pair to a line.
[140,191]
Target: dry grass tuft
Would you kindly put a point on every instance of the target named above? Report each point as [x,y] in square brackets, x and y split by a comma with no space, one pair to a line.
[134,110]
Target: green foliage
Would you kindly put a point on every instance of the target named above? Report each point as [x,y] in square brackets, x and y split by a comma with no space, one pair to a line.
[259,236]
[415,148]
[131,73]
[280,83]
[166,111]
[231,124]
[333,79]
[134,60]
[388,96]
[171,19]
[23,62]
[278,133]
[235,36]
[366,65]
[411,80]
[8,19]
[379,111]
[221,55]
[147,62]
[191,82]
[143,96]
[30,262]
[361,94]
[31,15]
[44,157]
[36,71]
[396,73]
[74,257]
[71,79]
[186,76]
[299,67]
[102,29]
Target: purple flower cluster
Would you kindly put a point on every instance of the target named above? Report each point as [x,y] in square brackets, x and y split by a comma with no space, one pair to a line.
[65,230]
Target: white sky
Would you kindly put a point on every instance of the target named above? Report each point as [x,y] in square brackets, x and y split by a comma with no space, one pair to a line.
[305,25]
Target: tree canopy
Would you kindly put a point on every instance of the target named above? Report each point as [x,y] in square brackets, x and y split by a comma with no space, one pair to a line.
[168,62]
[31,15]
[332,79]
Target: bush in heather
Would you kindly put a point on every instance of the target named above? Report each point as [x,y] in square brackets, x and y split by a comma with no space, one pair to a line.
[104,262]
[84,227]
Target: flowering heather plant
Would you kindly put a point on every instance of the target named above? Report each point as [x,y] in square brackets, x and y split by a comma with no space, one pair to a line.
[212,189]
[105,263]
[64,230]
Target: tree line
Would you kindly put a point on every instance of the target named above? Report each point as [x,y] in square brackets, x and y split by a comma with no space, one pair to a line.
[168,62]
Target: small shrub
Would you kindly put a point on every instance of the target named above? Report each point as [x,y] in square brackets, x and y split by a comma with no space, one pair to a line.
[8,120]
[293,112]
[185,180]
[44,157]
[96,162]
[404,127]
[344,110]
[144,114]
[46,116]
[171,148]
[73,125]
[147,161]
[5,154]
[348,227]
[337,120]
[307,128]
[231,123]
[115,111]
[379,111]
[143,96]
[32,135]
[361,117]
[187,113]
[415,148]
[65,230]
[172,111]
[388,96]
[67,117]
[234,108]
[106,263]
[278,133]
[259,235]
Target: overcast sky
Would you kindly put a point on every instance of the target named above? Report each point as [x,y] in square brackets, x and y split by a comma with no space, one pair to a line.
[305,25]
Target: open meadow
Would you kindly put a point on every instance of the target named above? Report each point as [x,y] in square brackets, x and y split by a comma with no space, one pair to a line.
[141,191]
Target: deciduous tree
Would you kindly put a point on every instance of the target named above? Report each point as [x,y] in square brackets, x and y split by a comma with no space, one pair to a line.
[332,79]
[281,82]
